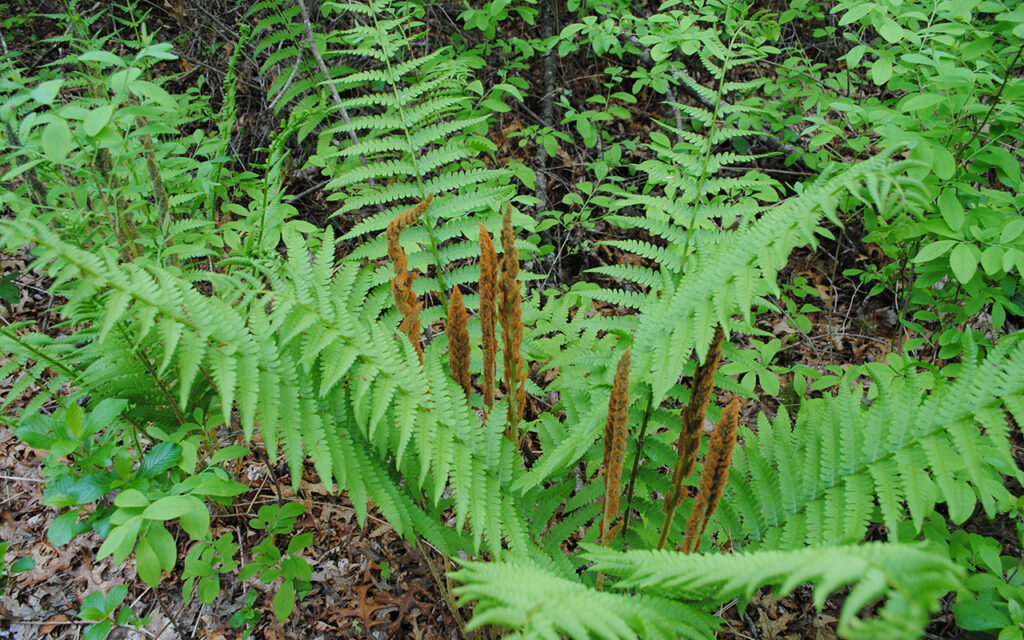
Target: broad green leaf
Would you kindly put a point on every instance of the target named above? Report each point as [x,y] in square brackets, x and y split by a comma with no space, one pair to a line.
[162,542]
[147,565]
[62,529]
[104,57]
[97,119]
[881,71]
[160,458]
[284,600]
[115,597]
[943,162]
[131,498]
[208,588]
[121,541]
[74,418]
[169,508]
[858,11]
[22,564]
[46,91]
[992,260]
[890,30]
[963,260]
[933,250]
[229,453]
[57,140]
[921,101]
[300,542]
[951,209]
[1012,230]
[104,413]
[197,521]
[97,631]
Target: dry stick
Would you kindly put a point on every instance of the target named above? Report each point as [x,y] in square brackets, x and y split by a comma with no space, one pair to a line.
[488,295]
[547,109]
[615,431]
[692,425]
[510,314]
[458,341]
[37,191]
[401,286]
[308,28]
[714,475]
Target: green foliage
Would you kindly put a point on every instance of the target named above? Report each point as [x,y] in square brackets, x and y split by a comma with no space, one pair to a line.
[909,578]
[817,481]
[269,563]
[20,565]
[184,333]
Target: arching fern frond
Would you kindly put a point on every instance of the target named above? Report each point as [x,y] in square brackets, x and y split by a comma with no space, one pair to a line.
[540,606]
[908,577]
[817,481]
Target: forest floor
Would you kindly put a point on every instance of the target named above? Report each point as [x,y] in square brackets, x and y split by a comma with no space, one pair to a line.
[368,582]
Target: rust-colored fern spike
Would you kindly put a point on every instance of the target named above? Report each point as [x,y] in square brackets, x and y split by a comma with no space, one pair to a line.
[694,413]
[458,340]
[488,295]
[510,315]
[692,425]
[714,475]
[615,431]
[401,285]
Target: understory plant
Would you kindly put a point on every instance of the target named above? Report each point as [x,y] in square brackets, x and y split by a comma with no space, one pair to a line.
[188,331]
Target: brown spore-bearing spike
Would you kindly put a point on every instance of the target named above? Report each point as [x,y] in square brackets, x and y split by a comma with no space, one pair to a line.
[406,300]
[458,341]
[510,315]
[488,296]
[693,415]
[714,476]
[615,432]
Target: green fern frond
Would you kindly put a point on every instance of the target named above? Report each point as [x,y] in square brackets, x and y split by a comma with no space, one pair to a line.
[539,605]
[816,481]
[910,578]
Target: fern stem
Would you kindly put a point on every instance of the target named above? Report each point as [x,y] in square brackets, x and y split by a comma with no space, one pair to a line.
[615,431]
[151,372]
[640,438]
[159,193]
[707,160]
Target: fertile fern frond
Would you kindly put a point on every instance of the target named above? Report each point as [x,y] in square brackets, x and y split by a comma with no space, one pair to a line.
[910,578]
[818,481]
[537,605]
